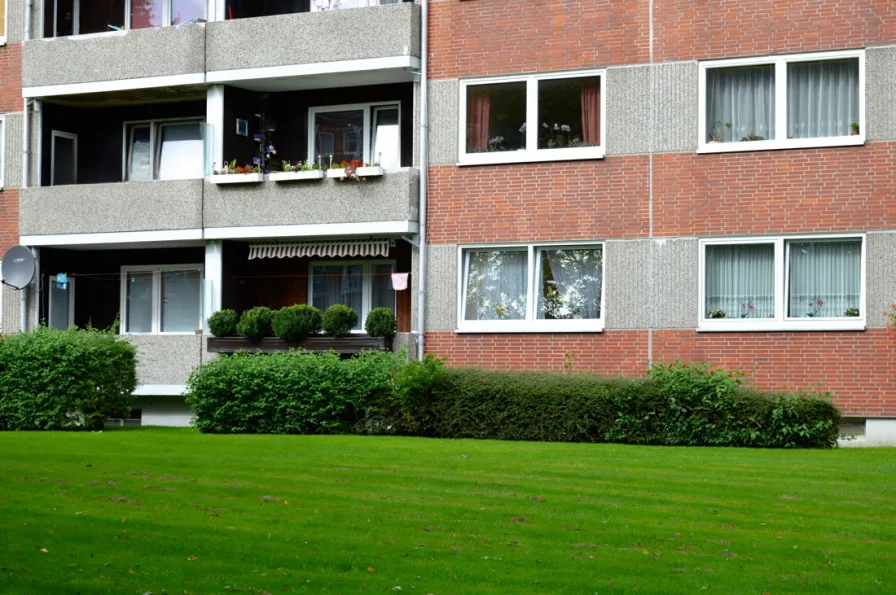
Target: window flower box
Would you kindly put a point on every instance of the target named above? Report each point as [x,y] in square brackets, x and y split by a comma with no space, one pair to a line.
[371,171]
[237,178]
[350,345]
[296,176]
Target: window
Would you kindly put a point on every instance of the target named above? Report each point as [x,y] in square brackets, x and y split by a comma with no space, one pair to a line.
[531,288]
[800,283]
[61,303]
[79,17]
[361,286]
[365,132]
[806,100]
[161,299]
[532,118]
[165,150]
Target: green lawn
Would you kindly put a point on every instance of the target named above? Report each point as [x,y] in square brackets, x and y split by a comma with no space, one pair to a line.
[153,510]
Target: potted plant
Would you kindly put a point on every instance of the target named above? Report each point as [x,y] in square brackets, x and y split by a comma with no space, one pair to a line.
[232,173]
[717,313]
[852,312]
[718,132]
[306,170]
[354,170]
[854,129]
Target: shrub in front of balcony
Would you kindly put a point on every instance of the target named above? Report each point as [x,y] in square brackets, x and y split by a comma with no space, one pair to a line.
[65,380]
[223,323]
[381,323]
[255,324]
[339,320]
[294,323]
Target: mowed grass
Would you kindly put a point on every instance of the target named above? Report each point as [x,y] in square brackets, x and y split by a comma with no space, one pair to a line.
[173,511]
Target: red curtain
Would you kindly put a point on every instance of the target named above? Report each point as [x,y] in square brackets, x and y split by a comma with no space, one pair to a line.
[478,111]
[591,110]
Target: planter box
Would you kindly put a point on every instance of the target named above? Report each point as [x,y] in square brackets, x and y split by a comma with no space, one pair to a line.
[345,345]
[363,172]
[236,178]
[296,176]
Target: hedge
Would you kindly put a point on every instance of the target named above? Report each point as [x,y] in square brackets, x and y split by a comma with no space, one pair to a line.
[61,380]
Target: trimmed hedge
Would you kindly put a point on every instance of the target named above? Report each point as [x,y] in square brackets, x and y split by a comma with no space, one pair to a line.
[381,323]
[293,323]
[65,380]
[223,323]
[339,320]
[255,324]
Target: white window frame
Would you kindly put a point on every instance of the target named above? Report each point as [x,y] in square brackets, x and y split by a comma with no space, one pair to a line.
[54,134]
[366,284]
[531,324]
[71,300]
[155,127]
[781,322]
[157,271]
[780,141]
[367,133]
[3,134]
[531,155]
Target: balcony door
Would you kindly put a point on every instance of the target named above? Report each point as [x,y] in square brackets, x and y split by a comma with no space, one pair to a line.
[63,158]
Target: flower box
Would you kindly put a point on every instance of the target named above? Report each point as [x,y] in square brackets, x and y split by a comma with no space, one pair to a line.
[295,176]
[236,178]
[350,345]
[362,172]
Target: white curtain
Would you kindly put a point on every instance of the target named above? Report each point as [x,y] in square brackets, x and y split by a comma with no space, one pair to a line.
[822,98]
[181,152]
[339,284]
[381,293]
[740,281]
[139,302]
[180,301]
[824,278]
[570,283]
[743,97]
[496,285]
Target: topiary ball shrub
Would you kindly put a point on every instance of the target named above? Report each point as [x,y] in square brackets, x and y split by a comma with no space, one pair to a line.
[223,323]
[295,322]
[339,320]
[255,324]
[381,323]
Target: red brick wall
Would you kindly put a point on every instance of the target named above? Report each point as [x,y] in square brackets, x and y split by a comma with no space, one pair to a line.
[10,101]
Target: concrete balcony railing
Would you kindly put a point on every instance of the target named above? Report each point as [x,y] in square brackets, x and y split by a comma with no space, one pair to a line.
[390,200]
[115,56]
[109,208]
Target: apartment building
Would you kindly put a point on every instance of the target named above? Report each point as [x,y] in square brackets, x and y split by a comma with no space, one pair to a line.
[592,185]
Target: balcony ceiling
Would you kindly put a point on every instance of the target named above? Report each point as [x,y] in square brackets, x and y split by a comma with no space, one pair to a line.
[327,80]
[133,97]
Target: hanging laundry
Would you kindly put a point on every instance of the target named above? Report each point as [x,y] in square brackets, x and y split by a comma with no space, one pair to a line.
[400,281]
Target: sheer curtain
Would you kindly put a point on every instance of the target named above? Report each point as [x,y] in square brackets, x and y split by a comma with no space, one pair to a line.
[740,281]
[338,284]
[381,293]
[743,97]
[180,301]
[824,278]
[570,284]
[139,302]
[822,98]
[496,285]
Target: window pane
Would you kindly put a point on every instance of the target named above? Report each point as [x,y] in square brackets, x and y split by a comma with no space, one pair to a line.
[569,283]
[386,140]
[146,13]
[740,103]
[569,113]
[496,117]
[180,301]
[822,98]
[140,157]
[740,281]
[182,152]
[496,285]
[824,278]
[139,302]
[184,10]
[382,295]
[338,284]
[98,16]
[64,155]
[59,305]
[340,134]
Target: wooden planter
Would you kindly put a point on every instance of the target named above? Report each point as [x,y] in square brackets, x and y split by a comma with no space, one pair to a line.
[350,345]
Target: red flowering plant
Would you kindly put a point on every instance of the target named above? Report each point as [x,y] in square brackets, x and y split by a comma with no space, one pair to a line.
[891,319]
[351,170]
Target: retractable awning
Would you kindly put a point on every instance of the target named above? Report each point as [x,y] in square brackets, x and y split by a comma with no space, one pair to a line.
[329,248]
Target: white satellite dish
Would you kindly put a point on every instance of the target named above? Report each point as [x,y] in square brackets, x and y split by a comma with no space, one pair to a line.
[18,267]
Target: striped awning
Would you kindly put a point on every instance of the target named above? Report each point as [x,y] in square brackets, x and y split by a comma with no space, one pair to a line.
[330,248]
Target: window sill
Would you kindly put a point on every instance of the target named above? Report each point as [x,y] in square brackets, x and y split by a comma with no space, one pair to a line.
[542,155]
[774,326]
[520,328]
[774,145]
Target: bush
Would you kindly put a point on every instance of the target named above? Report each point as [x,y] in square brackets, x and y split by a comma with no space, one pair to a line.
[223,323]
[295,322]
[339,320]
[61,380]
[381,323]
[255,324]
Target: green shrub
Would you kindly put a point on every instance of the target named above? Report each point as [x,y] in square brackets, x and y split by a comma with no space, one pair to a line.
[295,322]
[73,379]
[339,320]
[223,323]
[381,323]
[255,324]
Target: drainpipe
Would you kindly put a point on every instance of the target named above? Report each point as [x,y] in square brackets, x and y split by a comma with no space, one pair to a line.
[26,169]
[424,177]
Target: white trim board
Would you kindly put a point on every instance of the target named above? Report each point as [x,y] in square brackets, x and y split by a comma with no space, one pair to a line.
[118,237]
[316,68]
[115,85]
[314,230]
[160,390]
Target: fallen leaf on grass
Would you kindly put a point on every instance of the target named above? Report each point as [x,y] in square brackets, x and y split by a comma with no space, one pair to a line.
[191,558]
[518,519]
[371,569]
[44,550]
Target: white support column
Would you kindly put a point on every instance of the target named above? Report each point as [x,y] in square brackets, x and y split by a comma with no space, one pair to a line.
[214,116]
[214,278]
[217,10]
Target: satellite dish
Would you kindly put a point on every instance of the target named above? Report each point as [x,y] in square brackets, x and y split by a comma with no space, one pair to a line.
[18,267]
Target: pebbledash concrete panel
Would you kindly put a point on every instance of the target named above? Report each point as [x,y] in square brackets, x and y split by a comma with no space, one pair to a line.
[441,288]
[104,208]
[114,56]
[314,37]
[392,197]
[880,271]
[166,359]
[12,150]
[443,114]
[880,88]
